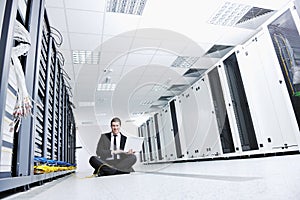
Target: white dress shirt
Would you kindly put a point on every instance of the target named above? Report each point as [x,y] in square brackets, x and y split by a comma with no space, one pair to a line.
[118,140]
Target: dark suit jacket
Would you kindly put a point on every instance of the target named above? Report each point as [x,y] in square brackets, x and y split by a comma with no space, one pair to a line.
[103,147]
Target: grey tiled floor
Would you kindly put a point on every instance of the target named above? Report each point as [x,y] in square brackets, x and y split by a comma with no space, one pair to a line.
[273,178]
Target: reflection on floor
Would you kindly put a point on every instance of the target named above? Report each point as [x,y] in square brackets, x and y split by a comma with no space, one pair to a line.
[252,178]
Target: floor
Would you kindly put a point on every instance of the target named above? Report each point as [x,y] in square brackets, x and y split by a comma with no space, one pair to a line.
[275,178]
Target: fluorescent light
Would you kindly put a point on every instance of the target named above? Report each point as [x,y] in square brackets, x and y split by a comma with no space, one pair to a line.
[134,7]
[85,57]
[86,104]
[229,14]
[106,87]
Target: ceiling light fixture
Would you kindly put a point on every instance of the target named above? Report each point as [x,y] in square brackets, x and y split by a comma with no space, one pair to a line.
[86,104]
[106,87]
[229,14]
[85,57]
[134,7]
[184,61]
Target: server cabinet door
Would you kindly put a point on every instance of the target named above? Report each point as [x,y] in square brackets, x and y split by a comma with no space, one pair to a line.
[221,114]
[146,156]
[153,139]
[157,135]
[169,142]
[240,104]
[160,121]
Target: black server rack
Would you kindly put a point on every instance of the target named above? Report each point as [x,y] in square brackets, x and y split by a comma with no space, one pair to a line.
[40,146]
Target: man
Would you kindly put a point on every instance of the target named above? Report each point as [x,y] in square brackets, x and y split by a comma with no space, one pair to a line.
[111,158]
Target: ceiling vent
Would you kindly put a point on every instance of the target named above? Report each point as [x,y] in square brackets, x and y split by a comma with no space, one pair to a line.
[235,14]
[106,87]
[165,98]
[229,14]
[218,51]
[184,61]
[177,87]
[253,13]
[146,102]
[133,7]
[254,18]
[86,104]
[194,72]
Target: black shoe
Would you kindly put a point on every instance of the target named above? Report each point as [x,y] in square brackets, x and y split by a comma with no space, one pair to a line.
[106,170]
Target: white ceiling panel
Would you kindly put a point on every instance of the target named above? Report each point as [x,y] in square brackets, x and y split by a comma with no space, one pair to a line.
[117,44]
[234,36]
[118,61]
[91,42]
[114,23]
[145,51]
[144,43]
[135,59]
[165,60]
[91,5]
[174,47]
[193,49]
[84,22]
[57,18]
[108,58]
[54,3]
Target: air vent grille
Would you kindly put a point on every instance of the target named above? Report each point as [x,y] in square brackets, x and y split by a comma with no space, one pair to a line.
[184,61]
[194,72]
[254,13]
[133,7]
[218,51]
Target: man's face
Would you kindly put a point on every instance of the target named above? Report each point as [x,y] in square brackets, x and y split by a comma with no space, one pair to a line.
[115,127]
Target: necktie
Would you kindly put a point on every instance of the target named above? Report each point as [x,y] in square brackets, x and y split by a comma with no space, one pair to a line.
[115,146]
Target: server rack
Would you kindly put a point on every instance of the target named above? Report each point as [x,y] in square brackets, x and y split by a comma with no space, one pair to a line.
[153,139]
[199,122]
[252,97]
[157,136]
[286,41]
[168,134]
[50,132]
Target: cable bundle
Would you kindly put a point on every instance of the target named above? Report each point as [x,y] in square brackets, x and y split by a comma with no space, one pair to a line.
[22,37]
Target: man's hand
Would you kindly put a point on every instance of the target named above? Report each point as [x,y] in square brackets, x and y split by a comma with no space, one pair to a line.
[130,151]
[118,151]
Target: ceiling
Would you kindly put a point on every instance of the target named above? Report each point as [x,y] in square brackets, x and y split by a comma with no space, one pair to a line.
[127,65]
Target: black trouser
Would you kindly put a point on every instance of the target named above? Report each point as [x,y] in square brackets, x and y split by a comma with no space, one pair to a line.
[124,164]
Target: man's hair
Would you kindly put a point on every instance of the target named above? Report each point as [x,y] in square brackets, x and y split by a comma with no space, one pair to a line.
[115,119]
